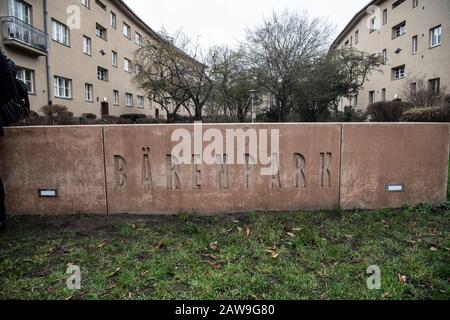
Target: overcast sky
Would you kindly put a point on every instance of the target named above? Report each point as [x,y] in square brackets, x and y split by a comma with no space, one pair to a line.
[219,22]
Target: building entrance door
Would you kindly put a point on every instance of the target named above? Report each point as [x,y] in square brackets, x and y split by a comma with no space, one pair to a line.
[105,109]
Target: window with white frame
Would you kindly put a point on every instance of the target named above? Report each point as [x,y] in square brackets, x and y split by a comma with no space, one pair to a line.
[116,97]
[356,36]
[21,11]
[86,3]
[385,55]
[60,33]
[413,87]
[399,30]
[27,77]
[415,3]
[140,102]
[415,44]
[113,20]
[383,94]
[114,58]
[102,74]
[100,31]
[371,97]
[398,72]
[436,36]
[63,88]
[138,39]
[126,30]
[372,24]
[385,16]
[89,92]
[127,65]
[128,99]
[87,45]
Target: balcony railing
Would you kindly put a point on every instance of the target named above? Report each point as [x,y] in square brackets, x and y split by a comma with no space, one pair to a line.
[14,29]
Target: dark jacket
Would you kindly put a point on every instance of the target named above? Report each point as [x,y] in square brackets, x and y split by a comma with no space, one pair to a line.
[8,89]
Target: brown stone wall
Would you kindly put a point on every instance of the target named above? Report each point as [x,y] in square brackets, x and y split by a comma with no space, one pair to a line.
[126,169]
[68,159]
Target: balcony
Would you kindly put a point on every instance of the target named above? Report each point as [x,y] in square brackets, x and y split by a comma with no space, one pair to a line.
[19,34]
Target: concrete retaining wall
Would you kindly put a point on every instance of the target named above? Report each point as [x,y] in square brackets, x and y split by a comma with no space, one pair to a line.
[127,169]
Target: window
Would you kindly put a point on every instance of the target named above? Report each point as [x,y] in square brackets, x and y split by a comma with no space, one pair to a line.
[399,30]
[355,101]
[383,94]
[140,102]
[21,11]
[126,30]
[128,100]
[100,4]
[63,88]
[100,31]
[415,3]
[372,24]
[434,85]
[385,55]
[127,65]
[385,16]
[397,3]
[436,36]
[86,3]
[116,97]
[27,77]
[102,74]
[113,20]
[138,69]
[114,59]
[138,39]
[414,45]
[87,49]
[89,92]
[413,87]
[356,36]
[60,33]
[371,97]
[398,72]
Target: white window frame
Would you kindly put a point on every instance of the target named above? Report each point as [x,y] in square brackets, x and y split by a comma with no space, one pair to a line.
[63,87]
[116,98]
[399,30]
[27,77]
[89,92]
[129,100]
[415,44]
[398,72]
[127,65]
[138,39]
[436,34]
[114,59]
[102,74]
[140,102]
[101,32]
[113,20]
[87,45]
[60,33]
[126,30]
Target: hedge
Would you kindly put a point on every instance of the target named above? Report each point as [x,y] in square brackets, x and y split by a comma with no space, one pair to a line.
[433,114]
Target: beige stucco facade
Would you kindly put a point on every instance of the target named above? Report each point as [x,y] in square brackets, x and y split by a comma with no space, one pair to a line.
[69,61]
[428,63]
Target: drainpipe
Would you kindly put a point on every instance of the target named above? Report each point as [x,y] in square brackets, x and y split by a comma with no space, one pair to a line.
[47,63]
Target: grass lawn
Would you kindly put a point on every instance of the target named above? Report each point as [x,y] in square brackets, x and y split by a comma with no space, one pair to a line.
[316,255]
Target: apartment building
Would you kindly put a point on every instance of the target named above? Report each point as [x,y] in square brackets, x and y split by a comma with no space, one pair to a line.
[413,37]
[77,53]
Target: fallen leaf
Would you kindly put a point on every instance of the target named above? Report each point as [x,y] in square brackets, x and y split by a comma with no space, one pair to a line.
[274,254]
[240,229]
[433,249]
[211,256]
[297,229]
[114,273]
[402,278]
[214,245]
[158,245]
[214,265]
[247,230]
[133,227]
[101,245]
[235,221]
[290,234]
[143,274]
[349,237]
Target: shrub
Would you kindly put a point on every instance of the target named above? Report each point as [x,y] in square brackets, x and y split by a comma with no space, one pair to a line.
[150,121]
[432,114]
[32,119]
[351,114]
[387,111]
[56,115]
[133,116]
[89,116]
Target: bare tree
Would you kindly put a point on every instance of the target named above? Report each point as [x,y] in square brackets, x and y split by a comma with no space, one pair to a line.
[279,51]
[172,75]
[418,94]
